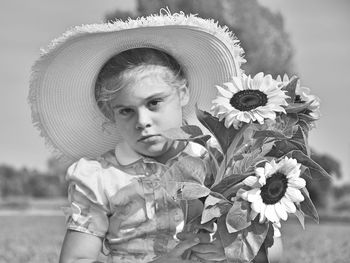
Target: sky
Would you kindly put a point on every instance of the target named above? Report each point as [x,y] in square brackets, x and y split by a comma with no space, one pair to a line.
[319,31]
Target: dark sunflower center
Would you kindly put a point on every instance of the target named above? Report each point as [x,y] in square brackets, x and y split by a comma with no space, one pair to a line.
[274,189]
[246,100]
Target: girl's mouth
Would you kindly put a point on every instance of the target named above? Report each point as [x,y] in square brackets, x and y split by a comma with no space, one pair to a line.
[149,138]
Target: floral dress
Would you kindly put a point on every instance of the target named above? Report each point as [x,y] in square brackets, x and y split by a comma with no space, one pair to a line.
[121,198]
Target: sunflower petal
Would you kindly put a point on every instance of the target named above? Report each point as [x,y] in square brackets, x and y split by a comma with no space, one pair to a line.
[281,211]
[294,194]
[270,213]
[236,85]
[254,195]
[270,168]
[262,213]
[257,205]
[224,92]
[288,204]
[296,183]
[250,181]
[276,231]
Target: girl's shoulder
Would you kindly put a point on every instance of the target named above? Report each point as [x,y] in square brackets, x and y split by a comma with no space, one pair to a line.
[85,166]
[103,172]
[97,164]
[93,167]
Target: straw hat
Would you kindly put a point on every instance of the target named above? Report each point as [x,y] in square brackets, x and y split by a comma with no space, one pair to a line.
[63,79]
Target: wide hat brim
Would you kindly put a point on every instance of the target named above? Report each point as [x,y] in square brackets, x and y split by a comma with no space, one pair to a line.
[62,89]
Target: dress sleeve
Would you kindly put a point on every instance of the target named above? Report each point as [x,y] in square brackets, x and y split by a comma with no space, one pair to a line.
[88,211]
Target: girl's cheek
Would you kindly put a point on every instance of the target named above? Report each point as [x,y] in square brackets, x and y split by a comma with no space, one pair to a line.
[122,126]
[128,125]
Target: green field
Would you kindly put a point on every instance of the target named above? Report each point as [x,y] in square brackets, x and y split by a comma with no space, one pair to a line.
[35,239]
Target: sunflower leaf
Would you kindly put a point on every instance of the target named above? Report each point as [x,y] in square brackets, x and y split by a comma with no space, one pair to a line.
[221,171]
[223,135]
[308,207]
[213,199]
[319,172]
[187,133]
[289,120]
[232,191]
[242,139]
[290,88]
[215,210]
[281,148]
[228,182]
[305,172]
[187,169]
[184,132]
[300,215]
[305,125]
[247,164]
[269,133]
[185,175]
[238,217]
[244,245]
[269,236]
[299,139]
[190,191]
[306,117]
[261,257]
[298,107]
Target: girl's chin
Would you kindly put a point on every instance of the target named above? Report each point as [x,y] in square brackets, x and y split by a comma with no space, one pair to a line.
[155,150]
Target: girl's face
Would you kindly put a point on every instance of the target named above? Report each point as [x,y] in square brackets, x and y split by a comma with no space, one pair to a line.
[147,108]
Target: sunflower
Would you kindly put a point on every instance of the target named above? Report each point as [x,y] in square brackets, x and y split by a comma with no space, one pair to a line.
[274,190]
[302,95]
[246,99]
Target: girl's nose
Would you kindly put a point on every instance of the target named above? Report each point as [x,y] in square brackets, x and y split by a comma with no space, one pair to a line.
[143,119]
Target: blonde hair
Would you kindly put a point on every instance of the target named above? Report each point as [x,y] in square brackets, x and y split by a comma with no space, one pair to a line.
[125,68]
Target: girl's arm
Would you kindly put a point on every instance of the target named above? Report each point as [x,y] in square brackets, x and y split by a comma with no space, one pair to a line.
[79,247]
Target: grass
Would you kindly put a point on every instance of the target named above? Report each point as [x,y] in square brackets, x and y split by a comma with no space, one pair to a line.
[324,243]
[34,239]
[30,239]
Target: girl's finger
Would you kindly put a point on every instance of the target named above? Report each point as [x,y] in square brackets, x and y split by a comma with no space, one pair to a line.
[206,248]
[183,246]
[186,235]
[203,237]
[210,256]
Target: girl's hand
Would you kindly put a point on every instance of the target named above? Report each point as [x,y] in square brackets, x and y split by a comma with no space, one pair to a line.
[175,256]
[207,250]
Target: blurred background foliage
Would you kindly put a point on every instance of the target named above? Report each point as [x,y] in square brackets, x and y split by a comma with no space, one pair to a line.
[267,48]
[33,183]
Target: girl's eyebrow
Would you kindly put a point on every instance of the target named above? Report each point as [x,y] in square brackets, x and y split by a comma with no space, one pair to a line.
[119,106]
[156,95]
[159,94]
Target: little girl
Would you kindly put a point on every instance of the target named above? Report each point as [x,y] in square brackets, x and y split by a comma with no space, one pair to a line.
[118,196]
[104,96]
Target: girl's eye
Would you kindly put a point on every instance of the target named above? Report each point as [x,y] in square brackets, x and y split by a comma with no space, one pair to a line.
[125,111]
[154,104]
